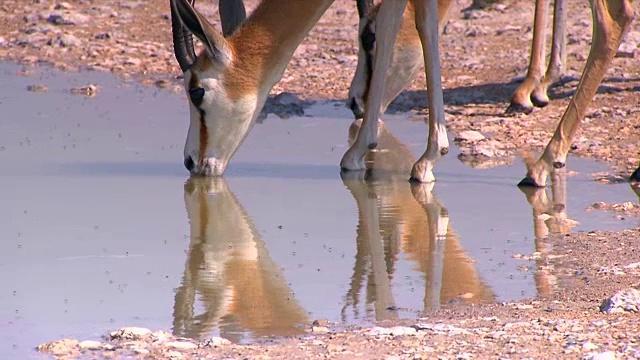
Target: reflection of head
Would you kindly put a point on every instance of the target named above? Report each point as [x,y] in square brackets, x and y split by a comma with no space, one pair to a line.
[230,269]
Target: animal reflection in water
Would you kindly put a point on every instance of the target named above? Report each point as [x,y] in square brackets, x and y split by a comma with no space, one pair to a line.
[396,216]
[549,217]
[229,270]
[399,217]
[241,290]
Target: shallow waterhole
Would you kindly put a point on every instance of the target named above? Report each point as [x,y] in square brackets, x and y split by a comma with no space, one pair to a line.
[98,229]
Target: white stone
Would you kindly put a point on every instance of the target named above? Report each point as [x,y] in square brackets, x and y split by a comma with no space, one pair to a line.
[320,329]
[470,135]
[91,345]
[627,300]
[181,345]
[589,346]
[130,333]
[216,342]
[607,355]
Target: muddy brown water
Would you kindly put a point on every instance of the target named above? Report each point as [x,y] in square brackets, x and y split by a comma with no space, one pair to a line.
[100,227]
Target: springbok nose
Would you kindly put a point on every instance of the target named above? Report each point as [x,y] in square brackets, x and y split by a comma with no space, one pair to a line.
[189,164]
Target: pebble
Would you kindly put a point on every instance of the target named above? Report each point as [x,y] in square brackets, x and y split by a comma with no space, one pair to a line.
[65,40]
[627,300]
[181,345]
[91,345]
[215,342]
[589,346]
[130,333]
[607,355]
[37,88]
[89,90]
[320,329]
[67,18]
[469,135]
[63,347]
[393,331]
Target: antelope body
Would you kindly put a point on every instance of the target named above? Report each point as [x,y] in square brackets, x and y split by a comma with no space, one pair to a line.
[229,82]
[611,22]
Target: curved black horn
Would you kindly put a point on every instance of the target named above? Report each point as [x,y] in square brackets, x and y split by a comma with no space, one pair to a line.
[182,39]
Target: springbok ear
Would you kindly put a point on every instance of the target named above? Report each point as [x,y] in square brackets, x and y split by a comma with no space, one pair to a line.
[215,44]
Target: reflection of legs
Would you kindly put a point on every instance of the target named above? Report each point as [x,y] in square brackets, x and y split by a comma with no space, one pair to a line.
[611,21]
[369,233]
[438,219]
[549,216]
[438,144]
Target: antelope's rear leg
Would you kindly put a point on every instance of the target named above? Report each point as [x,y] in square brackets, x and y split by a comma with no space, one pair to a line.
[438,143]
[611,22]
[540,95]
[521,100]
[389,18]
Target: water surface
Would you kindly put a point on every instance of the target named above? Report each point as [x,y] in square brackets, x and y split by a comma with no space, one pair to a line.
[101,228]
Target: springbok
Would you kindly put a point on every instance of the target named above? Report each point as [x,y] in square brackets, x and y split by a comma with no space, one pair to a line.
[228,83]
[611,22]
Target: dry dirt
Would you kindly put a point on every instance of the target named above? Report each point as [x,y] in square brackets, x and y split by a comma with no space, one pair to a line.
[484,54]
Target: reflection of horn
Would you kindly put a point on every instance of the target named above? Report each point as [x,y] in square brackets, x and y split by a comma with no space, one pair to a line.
[400,217]
[229,267]
[549,216]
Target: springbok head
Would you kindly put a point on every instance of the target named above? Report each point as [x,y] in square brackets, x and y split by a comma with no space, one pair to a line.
[224,102]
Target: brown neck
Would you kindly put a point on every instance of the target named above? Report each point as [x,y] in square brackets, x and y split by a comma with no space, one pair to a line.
[265,43]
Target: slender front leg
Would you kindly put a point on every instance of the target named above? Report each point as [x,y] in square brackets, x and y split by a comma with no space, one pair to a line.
[438,144]
[232,14]
[540,96]
[521,100]
[388,22]
[611,22]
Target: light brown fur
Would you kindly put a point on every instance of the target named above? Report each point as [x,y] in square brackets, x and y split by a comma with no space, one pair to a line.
[260,44]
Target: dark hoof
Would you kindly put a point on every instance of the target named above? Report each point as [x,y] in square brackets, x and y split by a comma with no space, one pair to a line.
[518,109]
[528,182]
[414,180]
[357,110]
[372,146]
[539,102]
[444,151]
[559,165]
[635,177]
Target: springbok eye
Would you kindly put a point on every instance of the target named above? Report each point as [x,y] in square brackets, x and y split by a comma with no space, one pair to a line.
[196,95]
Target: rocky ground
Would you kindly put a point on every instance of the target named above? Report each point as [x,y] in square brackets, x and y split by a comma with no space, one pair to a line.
[484,55]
